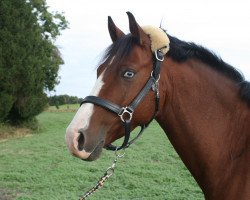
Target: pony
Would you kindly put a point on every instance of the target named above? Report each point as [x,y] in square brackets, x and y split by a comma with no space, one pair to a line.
[201,102]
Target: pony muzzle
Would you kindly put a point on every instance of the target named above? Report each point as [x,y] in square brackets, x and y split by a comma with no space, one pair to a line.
[75,142]
[80,145]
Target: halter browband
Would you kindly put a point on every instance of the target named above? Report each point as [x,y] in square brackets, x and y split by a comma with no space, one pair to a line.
[126,113]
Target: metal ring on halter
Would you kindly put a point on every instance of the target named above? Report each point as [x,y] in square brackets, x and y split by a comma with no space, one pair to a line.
[120,155]
[154,77]
[156,56]
[128,111]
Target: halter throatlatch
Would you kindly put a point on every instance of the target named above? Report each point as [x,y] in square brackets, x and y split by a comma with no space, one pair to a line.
[126,113]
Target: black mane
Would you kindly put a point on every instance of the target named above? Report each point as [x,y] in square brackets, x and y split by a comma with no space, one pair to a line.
[181,51]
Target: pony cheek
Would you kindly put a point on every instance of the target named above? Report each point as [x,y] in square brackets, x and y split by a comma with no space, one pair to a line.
[145,111]
[114,133]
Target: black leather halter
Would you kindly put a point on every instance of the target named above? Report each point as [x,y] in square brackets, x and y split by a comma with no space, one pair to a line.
[126,113]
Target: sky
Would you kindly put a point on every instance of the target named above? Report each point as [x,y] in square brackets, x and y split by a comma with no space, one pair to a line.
[222,26]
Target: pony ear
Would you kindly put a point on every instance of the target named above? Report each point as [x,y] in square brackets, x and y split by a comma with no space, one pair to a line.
[114,32]
[136,30]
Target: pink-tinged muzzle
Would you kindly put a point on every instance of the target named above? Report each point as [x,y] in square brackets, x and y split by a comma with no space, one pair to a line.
[75,141]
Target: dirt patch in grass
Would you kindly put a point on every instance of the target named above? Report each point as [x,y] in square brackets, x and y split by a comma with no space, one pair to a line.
[8,132]
[6,195]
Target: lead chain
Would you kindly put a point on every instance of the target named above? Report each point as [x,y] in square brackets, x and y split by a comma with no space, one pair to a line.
[109,172]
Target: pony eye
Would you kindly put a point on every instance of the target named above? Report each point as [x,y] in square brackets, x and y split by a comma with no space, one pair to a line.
[129,74]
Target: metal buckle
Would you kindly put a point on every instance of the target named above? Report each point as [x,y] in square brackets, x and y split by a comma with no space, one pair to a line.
[154,77]
[156,56]
[155,86]
[119,155]
[124,111]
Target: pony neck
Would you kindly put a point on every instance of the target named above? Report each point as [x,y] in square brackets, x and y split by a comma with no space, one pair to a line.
[198,106]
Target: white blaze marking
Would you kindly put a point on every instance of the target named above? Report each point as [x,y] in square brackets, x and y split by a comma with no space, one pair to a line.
[84,114]
[89,107]
[82,117]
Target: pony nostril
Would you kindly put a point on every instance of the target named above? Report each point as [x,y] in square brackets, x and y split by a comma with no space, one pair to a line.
[80,141]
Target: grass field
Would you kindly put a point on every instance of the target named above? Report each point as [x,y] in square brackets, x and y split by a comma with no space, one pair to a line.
[39,167]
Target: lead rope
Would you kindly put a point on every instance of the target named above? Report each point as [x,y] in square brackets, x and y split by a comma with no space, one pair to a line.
[109,172]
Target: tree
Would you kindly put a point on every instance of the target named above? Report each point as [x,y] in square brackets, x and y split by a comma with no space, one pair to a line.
[63,99]
[29,59]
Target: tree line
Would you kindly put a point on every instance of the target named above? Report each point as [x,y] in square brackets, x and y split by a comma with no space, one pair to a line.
[58,100]
[29,58]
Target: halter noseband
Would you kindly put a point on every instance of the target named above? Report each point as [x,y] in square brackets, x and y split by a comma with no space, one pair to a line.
[126,113]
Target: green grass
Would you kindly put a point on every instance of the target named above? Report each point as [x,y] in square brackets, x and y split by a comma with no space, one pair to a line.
[39,167]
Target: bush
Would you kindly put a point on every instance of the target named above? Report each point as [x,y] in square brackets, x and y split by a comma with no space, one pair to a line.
[27,108]
[6,104]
